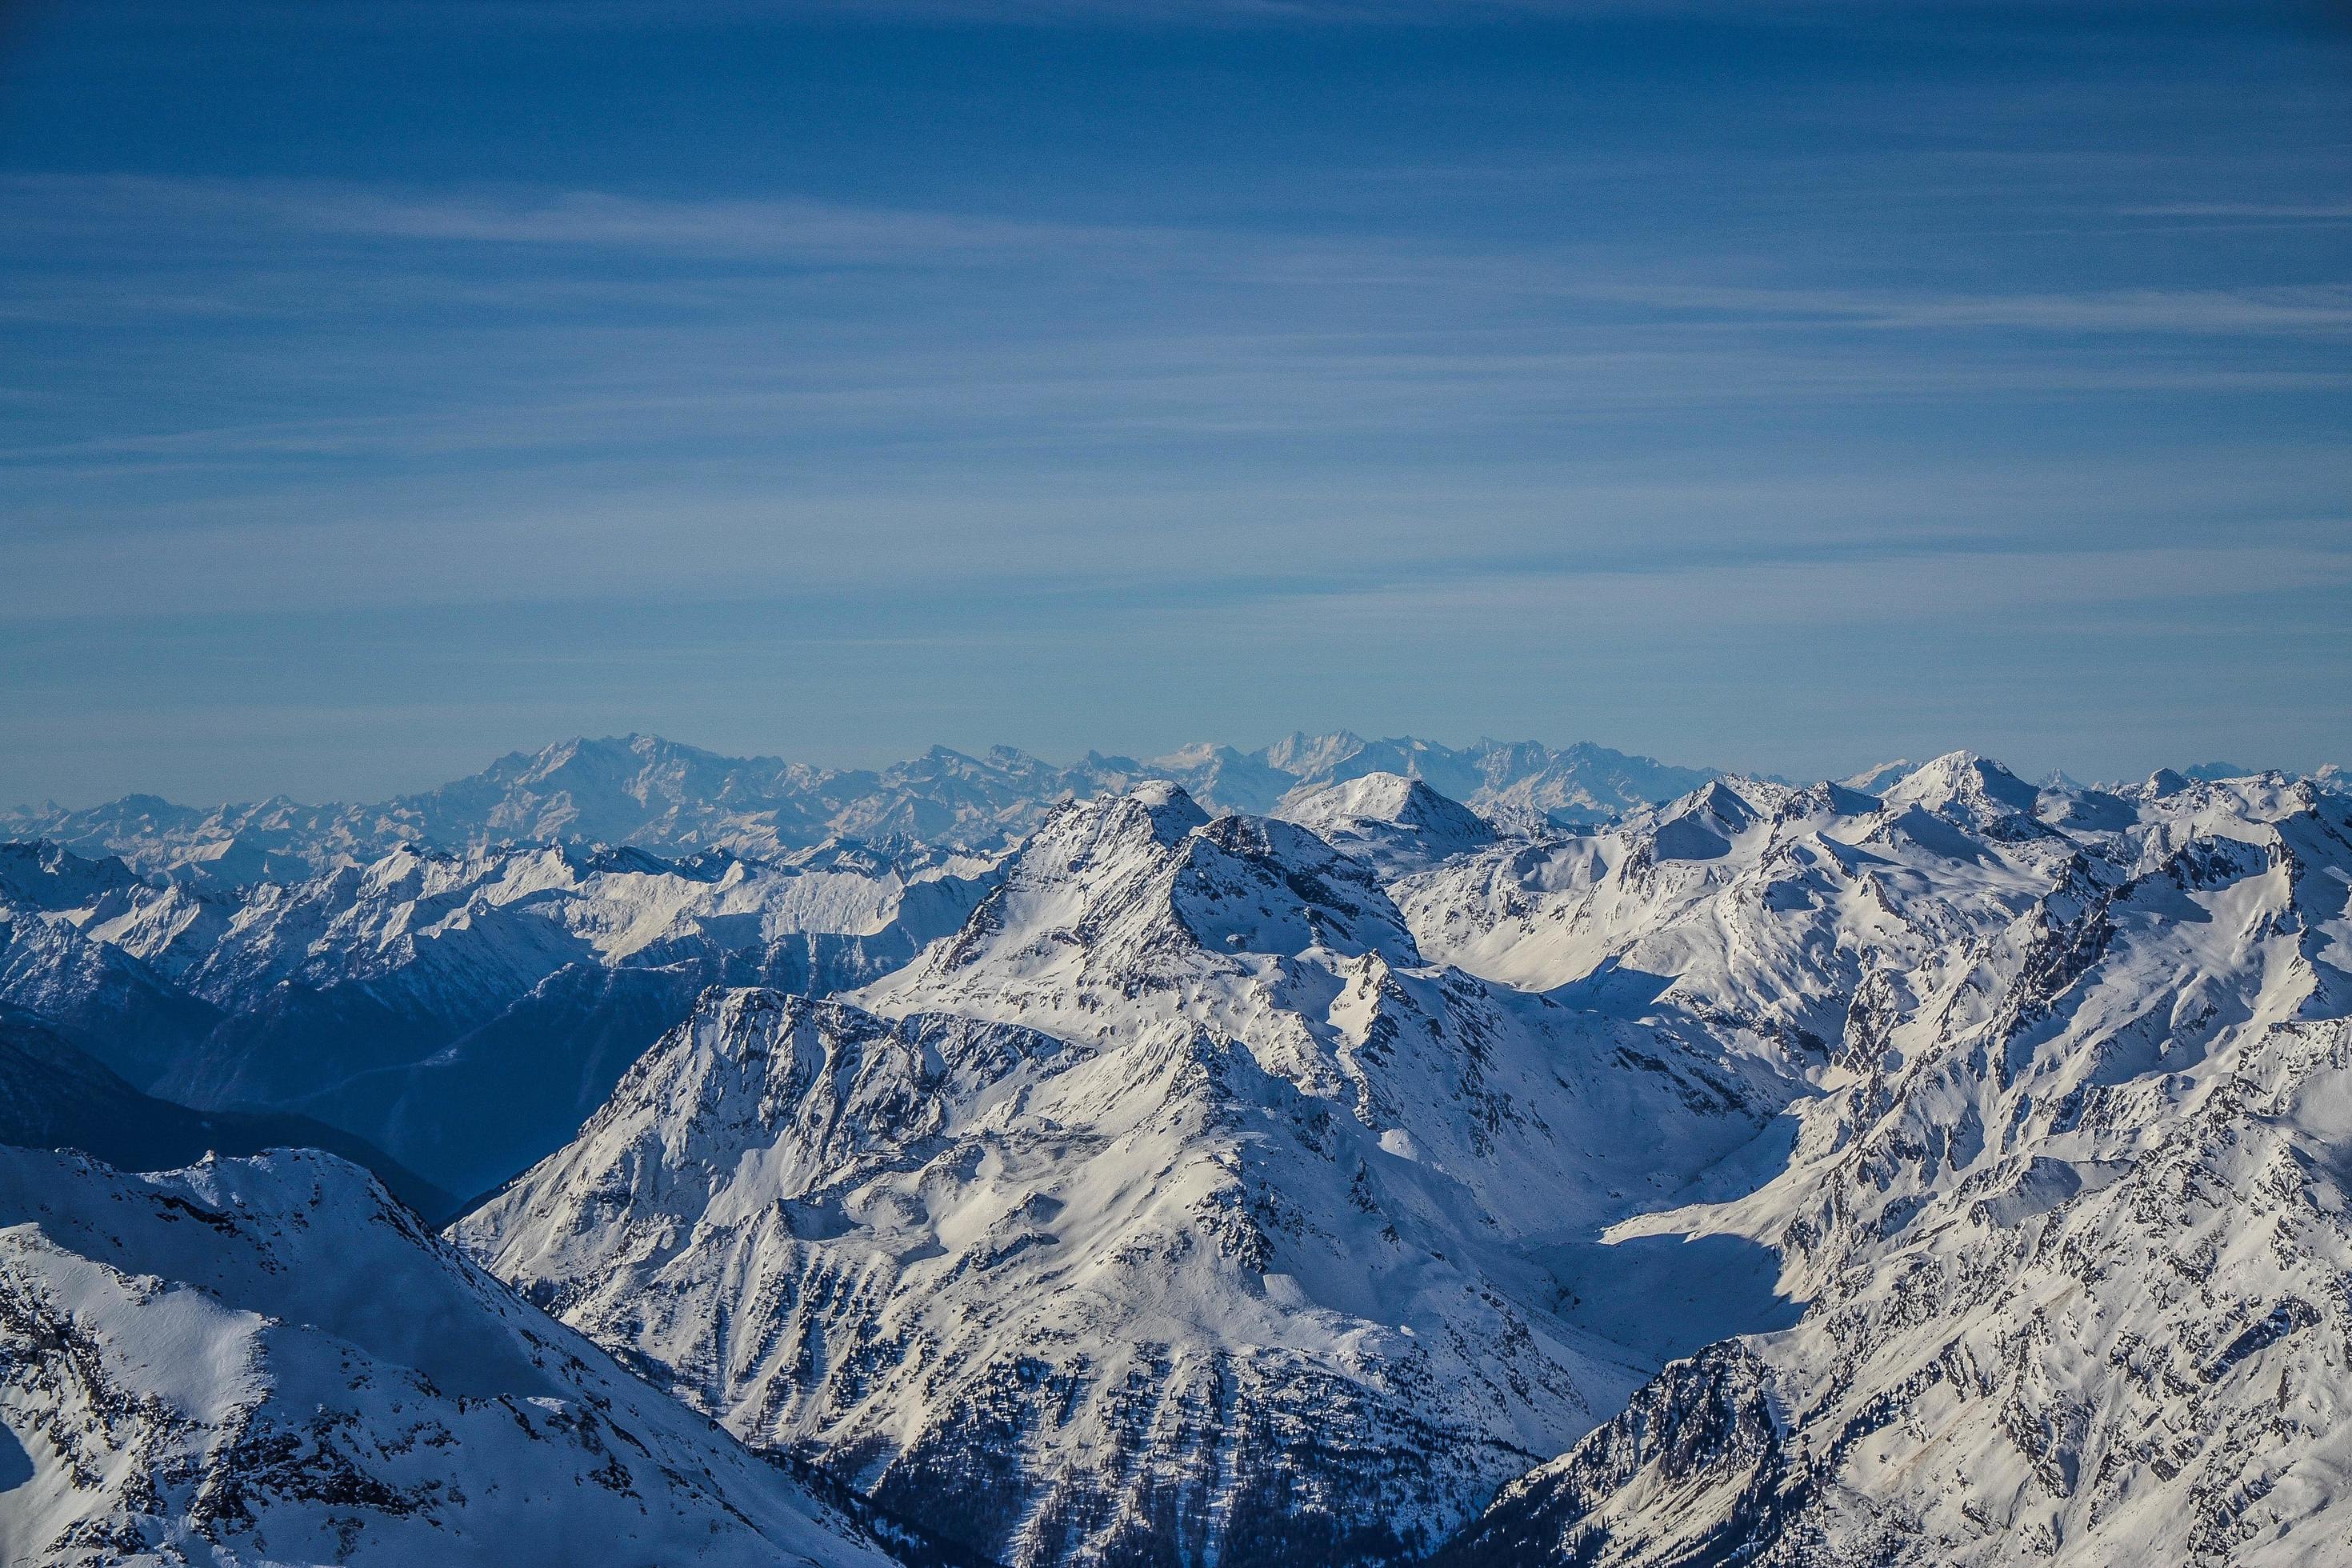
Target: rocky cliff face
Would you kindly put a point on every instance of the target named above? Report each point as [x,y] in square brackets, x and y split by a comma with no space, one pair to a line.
[2074,1232]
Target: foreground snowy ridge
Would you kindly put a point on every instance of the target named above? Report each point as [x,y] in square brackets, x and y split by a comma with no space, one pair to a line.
[266,1361]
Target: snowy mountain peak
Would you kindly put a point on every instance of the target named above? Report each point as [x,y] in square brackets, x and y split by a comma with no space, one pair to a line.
[1963,781]
[1306,756]
[1702,824]
[1395,823]
[1380,797]
[40,875]
[1719,805]
[1266,1243]
[1876,780]
[1171,808]
[1143,893]
[1198,754]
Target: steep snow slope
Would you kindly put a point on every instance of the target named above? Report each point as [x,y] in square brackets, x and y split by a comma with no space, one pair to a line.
[266,1361]
[396,999]
[128,1011]
[115,1006]
[1174,1205]
[2074,1226]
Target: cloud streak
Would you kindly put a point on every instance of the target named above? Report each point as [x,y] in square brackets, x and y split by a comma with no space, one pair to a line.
[802,232]
[1389,368]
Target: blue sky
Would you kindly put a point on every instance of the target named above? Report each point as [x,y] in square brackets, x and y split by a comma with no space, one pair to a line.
[385,386]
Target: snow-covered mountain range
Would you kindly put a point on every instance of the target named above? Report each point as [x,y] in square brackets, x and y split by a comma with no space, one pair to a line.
[1413,1156]
[1334,1154]
[459,977]
[643,791]
[2072,1220]
[1176,1193]
[462,1011]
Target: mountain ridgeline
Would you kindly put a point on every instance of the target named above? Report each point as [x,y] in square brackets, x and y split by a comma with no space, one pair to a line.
[1345,1153]
[645,792]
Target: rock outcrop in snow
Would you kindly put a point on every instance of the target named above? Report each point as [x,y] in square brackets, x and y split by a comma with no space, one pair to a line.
[2072,1219]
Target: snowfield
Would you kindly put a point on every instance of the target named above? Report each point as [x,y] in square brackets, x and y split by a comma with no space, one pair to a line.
[1348,1153]
[266,1361]
[2071,1221]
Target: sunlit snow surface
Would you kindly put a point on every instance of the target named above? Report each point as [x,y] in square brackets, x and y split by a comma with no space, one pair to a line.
[1246,1188]
[2072,1218]
[266,1361]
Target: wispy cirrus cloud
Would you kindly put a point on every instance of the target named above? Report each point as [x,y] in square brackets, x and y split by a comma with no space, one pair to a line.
[2325,215]
[1937,357]
[2312,309]
[792,230]
[1189,13]
[770,227]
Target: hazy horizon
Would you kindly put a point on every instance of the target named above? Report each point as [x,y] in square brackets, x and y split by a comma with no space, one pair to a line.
[384,791]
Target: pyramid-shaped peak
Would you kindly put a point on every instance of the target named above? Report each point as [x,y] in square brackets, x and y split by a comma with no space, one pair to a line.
[1725,809]
[1165,795]
[1720,799]
[1379,797]
[1962,777]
